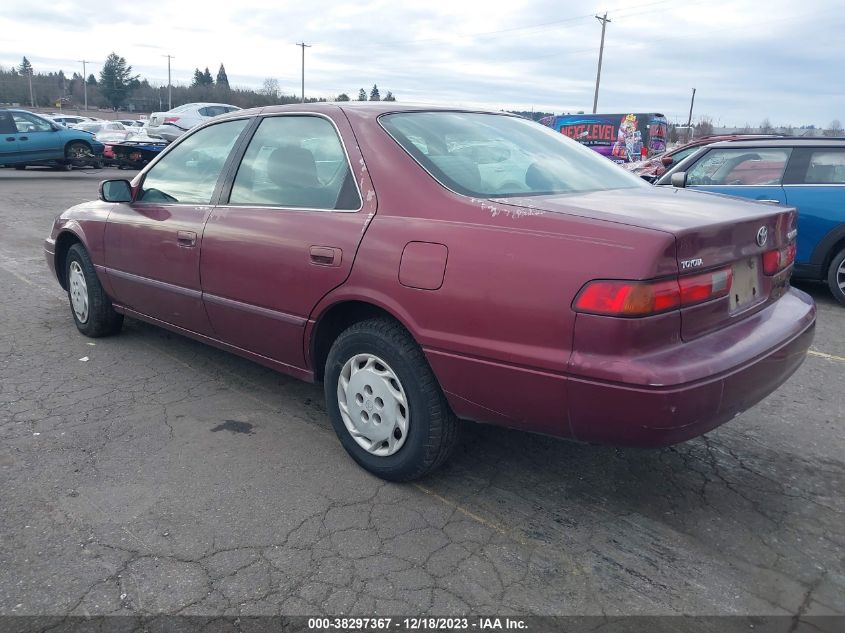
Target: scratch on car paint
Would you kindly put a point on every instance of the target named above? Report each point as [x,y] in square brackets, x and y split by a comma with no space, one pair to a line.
[370,195]
[363,165]
[517,212]
[367,222]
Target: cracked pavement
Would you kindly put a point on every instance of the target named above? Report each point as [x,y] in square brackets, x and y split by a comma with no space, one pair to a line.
[163,476]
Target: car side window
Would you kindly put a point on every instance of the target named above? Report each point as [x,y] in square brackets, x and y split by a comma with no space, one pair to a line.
[188,173]
[740,166]
[29,123]
[295,162]
[7,124]
[826,167]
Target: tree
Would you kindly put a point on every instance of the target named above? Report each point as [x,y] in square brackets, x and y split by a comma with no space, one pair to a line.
[362,95]
[197,81]
[25,68]
[222,78]
[207,79]
[342,97]
[835,128]
[92,80]
[374,94]
[766,126]
[116,79]
[704,127]
[389,96]
[271,88]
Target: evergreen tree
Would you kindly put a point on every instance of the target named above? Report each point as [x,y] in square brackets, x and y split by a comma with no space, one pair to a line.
[92,80]
[25,68]
[198,78]
[374,94]
[222,78]
[207,79]
[362,95]
[342,97]
[389,96]
[116,79]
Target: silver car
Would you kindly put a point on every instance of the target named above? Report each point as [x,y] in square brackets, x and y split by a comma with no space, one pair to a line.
[174,123]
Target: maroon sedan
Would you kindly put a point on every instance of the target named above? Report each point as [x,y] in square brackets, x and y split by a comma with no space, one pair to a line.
[429,265]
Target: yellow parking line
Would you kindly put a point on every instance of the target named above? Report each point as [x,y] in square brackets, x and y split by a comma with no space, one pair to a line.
[813,352]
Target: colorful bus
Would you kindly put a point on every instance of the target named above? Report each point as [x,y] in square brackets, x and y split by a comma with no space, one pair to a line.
[623,138]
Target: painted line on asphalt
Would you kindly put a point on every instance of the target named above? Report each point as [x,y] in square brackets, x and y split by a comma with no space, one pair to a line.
[813,352]
[469,513]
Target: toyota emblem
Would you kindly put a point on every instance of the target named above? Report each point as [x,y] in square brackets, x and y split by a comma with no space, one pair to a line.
[762,236]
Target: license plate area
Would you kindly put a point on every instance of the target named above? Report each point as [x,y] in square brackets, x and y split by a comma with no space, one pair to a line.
[745,290]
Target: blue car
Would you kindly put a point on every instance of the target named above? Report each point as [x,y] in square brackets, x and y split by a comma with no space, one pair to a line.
[806,173]
[29,139]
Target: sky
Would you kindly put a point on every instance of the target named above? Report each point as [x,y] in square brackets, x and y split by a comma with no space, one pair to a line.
[747,59]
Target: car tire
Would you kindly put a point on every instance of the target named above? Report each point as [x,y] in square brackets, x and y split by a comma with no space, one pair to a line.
[74,153]
[836,276]
[385,373]
[90,306]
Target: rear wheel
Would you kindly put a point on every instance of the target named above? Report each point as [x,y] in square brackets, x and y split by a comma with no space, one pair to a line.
[90,306]
[385,404]
[836,276]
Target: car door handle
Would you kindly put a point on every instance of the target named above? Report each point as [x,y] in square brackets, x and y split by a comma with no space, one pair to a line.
[186,238]
[11,139]
[23,138]
[326,255]
[767,200]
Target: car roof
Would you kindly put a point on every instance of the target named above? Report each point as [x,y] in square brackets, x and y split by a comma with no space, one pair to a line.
[373,109]
[785,141]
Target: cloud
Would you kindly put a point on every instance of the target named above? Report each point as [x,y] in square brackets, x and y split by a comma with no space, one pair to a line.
[747,59]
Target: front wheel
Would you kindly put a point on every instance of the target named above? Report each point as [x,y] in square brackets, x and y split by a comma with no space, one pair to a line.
[77,154]
[385,403]
[836,276]
[91,308]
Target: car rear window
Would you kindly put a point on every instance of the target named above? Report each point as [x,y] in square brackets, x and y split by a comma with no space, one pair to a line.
[826,167]
[496,156]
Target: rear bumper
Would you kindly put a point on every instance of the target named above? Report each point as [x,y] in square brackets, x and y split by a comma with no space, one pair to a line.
[167,131]
[680,393]
[750,363]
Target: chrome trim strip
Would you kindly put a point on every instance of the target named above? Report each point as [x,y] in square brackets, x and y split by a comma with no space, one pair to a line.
[257,310]
[814,184]
[161,285]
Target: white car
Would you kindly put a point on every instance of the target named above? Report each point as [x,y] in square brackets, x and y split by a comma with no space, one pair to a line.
[111,129]
[174,123]
[69,120]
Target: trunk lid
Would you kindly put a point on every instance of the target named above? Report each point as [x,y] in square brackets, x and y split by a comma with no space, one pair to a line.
[711,232]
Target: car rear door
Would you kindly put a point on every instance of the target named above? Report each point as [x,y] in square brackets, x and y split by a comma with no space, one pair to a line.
[8,138]
[815,183]
[746,172]
[152,245]
[285,233]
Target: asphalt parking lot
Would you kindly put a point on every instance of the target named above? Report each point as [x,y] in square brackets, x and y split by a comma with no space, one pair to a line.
[164,476]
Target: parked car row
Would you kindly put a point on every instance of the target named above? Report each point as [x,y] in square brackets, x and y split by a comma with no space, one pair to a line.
[174,123]
[427,264]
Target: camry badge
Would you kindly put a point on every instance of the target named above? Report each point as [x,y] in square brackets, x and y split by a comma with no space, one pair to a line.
[762,236]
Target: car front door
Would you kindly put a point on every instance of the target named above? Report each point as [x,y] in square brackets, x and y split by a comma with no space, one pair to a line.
[37,138]
[8,138]
[815,184]
[152,245]
[754,173]
[285,233]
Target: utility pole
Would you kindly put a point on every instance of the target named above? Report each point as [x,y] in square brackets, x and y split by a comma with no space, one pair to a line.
[304,46]
[169,85]
[31,96]
[604,20]
[689,120]
[85,80]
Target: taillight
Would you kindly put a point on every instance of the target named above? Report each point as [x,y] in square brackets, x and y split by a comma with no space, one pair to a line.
[775,261]
[171,119]
[638,298]
[700,288]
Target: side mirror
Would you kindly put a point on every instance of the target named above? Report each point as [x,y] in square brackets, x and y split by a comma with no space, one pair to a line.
[679,179]
[667,160]
[115,191]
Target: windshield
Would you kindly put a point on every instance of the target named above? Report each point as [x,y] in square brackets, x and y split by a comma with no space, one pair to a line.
[497,156]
